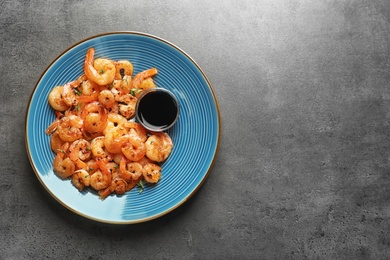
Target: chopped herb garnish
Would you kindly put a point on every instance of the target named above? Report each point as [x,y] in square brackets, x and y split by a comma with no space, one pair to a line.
[77,108]
[141,186]
[101,71]
[78,92]
[135,91]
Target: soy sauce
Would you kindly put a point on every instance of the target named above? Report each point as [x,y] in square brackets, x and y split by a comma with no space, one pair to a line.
[157,110]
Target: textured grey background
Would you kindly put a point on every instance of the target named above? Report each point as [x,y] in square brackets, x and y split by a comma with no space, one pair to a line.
[303,166]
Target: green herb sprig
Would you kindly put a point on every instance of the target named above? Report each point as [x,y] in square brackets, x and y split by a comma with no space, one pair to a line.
[141,186]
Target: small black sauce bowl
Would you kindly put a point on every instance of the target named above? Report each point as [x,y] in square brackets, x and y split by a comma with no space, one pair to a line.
[160,108]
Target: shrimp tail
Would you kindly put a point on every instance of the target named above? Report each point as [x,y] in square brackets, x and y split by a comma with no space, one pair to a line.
[52,127]
[104,193]
[88,64]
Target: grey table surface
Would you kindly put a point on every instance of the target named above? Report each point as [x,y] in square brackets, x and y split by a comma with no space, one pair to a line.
[303,165]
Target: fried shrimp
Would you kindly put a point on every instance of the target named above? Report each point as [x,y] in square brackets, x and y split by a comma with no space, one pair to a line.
[55,99]
[151,172]
[115,139]
[81,179]
[117,89]
[127,105]
[92,166]
[95,118]
[106,98]
[119,186]
[63,165]
[70,128]
[134,149]
[114,120]
[56,142]
[98,149]
[158,147]
[88,87]
[123,68]
[95,143]
[139,77]
[130,170]
[136,130]
[145,84]
[89,92]
[70,92]
[100,71]
[80,149]
[126,83]
[100,180]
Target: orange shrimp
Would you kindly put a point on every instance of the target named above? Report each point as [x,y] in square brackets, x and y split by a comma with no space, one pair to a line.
[70,128]
[139,77]
[115,139]
[100,71]
[80,149]
[101,179]
[95,118]
[130,170]
[70,92]
[152,173]
[55,99]
[136,130]
[56,142]
[81,179]
[123,68]
[62,165]
[158,146]
[89,91]
[134,149]
[127,105]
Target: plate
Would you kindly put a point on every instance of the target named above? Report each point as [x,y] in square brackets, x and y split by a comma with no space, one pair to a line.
[195,135]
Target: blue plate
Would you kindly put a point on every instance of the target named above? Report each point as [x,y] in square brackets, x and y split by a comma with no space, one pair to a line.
[195,135]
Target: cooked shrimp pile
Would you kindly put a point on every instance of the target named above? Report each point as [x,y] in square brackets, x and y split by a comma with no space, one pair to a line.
[95,143]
